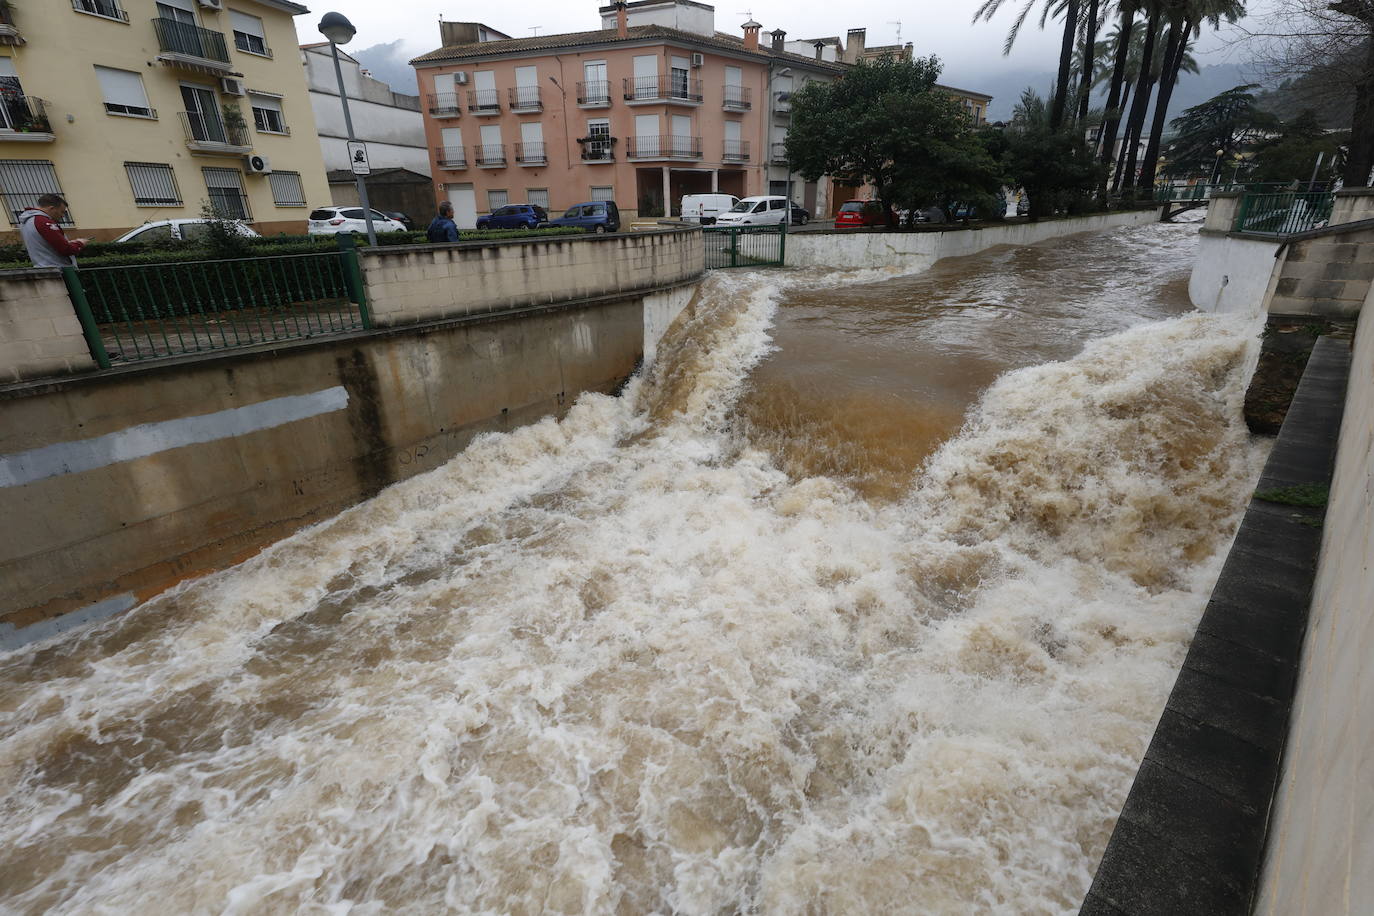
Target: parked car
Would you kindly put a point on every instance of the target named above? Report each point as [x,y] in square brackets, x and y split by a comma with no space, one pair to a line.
[594,216]
[515,216]
[402,219]
[765,210]
[333,220]
[800,215]
[705,208]
[187,230]
[855,214]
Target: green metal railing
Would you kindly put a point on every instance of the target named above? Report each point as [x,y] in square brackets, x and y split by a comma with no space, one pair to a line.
[1165,193]
[153,311]
[1284,213]
[745,246]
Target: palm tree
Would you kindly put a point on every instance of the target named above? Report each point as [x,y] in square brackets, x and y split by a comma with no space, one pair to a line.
[1115,103]
[1088,57]
[1144,89]
[1071,10]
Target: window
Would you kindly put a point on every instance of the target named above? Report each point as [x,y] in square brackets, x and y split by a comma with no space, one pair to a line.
[225,187]
[286,189]
[598,145]
[123,92]
[153,183]
[496,199]
[159,233]
[267,117]
[23,181]
[775,205]
[107,8]
[248,33]
[352,213]
[538,197]
[203,115]
[603,193]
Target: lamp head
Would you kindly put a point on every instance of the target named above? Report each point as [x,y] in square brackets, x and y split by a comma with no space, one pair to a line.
[337,28]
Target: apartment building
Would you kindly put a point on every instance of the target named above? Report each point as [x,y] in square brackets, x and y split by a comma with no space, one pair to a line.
[654,105]
[140,110]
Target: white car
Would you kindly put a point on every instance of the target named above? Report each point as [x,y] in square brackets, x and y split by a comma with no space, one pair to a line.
[187,230]
[333,220]
[766,210]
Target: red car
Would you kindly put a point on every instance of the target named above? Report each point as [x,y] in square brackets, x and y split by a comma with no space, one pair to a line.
[856,214]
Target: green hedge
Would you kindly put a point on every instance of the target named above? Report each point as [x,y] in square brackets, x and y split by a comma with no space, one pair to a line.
[112,254]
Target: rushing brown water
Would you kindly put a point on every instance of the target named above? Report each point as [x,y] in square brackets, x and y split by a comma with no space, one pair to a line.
[656,658]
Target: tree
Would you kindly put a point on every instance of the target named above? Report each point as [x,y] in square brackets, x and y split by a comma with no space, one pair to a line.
[1072,11]
[1295,153]
[1055,167]
[1229,122]
[885,122]
[1329,44]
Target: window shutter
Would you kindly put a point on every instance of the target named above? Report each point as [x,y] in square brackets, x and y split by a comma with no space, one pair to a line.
[122,87]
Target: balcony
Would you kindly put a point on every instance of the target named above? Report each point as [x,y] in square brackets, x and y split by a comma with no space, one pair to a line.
[24,118]
[490,155]
[531,154]
[525,99]
[9,32]
[672,90]
[782,104]
[208,134]
[484,101]
[192,47]
[735,151]
[738,98]
[662,147]
[445,105]
[109,9]
[598,148]
[451,157]
[594,94]
[777,153]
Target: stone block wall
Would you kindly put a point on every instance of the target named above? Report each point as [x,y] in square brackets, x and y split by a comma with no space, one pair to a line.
[1328,275]
[39,332]
[412,284]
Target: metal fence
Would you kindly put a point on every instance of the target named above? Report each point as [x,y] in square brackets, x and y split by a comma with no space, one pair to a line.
[745,246]
[152,311]
[1284,213]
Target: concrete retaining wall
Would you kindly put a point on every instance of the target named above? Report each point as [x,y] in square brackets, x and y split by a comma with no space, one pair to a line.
[1232,274]
[915,251]
[413,283]
[39,333]
[1322,830]
[1326,272]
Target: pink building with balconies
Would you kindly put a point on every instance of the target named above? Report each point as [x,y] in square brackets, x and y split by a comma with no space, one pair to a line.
[653,106]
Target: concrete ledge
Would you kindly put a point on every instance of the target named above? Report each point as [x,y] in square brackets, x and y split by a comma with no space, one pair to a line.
[1191,835]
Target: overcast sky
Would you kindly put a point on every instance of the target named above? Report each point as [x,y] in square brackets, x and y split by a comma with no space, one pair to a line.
[941,27]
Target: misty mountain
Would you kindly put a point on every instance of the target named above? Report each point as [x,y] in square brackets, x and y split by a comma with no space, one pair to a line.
[1006,88]
[390,64]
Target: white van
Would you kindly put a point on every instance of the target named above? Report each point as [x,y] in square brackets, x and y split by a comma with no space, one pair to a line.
[704,208]
[756,211]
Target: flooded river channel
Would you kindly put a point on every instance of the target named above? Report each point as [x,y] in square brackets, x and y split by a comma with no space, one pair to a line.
[864,599]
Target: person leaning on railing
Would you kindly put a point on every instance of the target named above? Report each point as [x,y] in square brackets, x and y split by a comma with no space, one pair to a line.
[47,244]
[443,228]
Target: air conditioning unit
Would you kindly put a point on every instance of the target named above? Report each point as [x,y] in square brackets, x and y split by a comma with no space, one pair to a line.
[230,86]
[257,165]
[698,60]
[460,78]
[212,4]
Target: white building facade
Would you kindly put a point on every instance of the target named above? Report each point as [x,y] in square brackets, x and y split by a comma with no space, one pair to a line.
[389,122]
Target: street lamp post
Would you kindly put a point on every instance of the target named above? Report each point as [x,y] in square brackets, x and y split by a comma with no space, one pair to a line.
[339,31]
[1216,172]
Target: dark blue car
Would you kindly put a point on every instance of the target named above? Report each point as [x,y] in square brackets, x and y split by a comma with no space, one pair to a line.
[594,216]
[516,216]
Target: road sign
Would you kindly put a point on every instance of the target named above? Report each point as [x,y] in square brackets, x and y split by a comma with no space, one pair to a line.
[357,157]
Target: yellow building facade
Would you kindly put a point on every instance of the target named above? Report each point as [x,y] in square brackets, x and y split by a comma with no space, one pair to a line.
[144,110]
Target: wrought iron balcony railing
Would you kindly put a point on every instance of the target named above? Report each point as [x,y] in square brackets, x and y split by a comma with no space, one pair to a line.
[484,101]
[663,147]
[735,151]
[25,114]
[594,93]
[525,98]
[107,8]
[175,37]
[490,154]
[445,105]
[531,154]
[208,131]
[738,98]
[451,157]
[598,148]
[777,153]
[671,88]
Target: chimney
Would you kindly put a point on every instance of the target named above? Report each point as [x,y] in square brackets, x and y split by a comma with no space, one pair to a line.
[457,33]
[820,49]
[854,45]
[779,40]
[751,35]
[622,20]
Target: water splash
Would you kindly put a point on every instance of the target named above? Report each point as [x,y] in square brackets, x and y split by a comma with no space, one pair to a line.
[622,662]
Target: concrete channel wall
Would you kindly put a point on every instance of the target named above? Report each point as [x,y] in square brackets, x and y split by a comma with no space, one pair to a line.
[915,251]
[1321,835]
[39,333]
[117,484]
